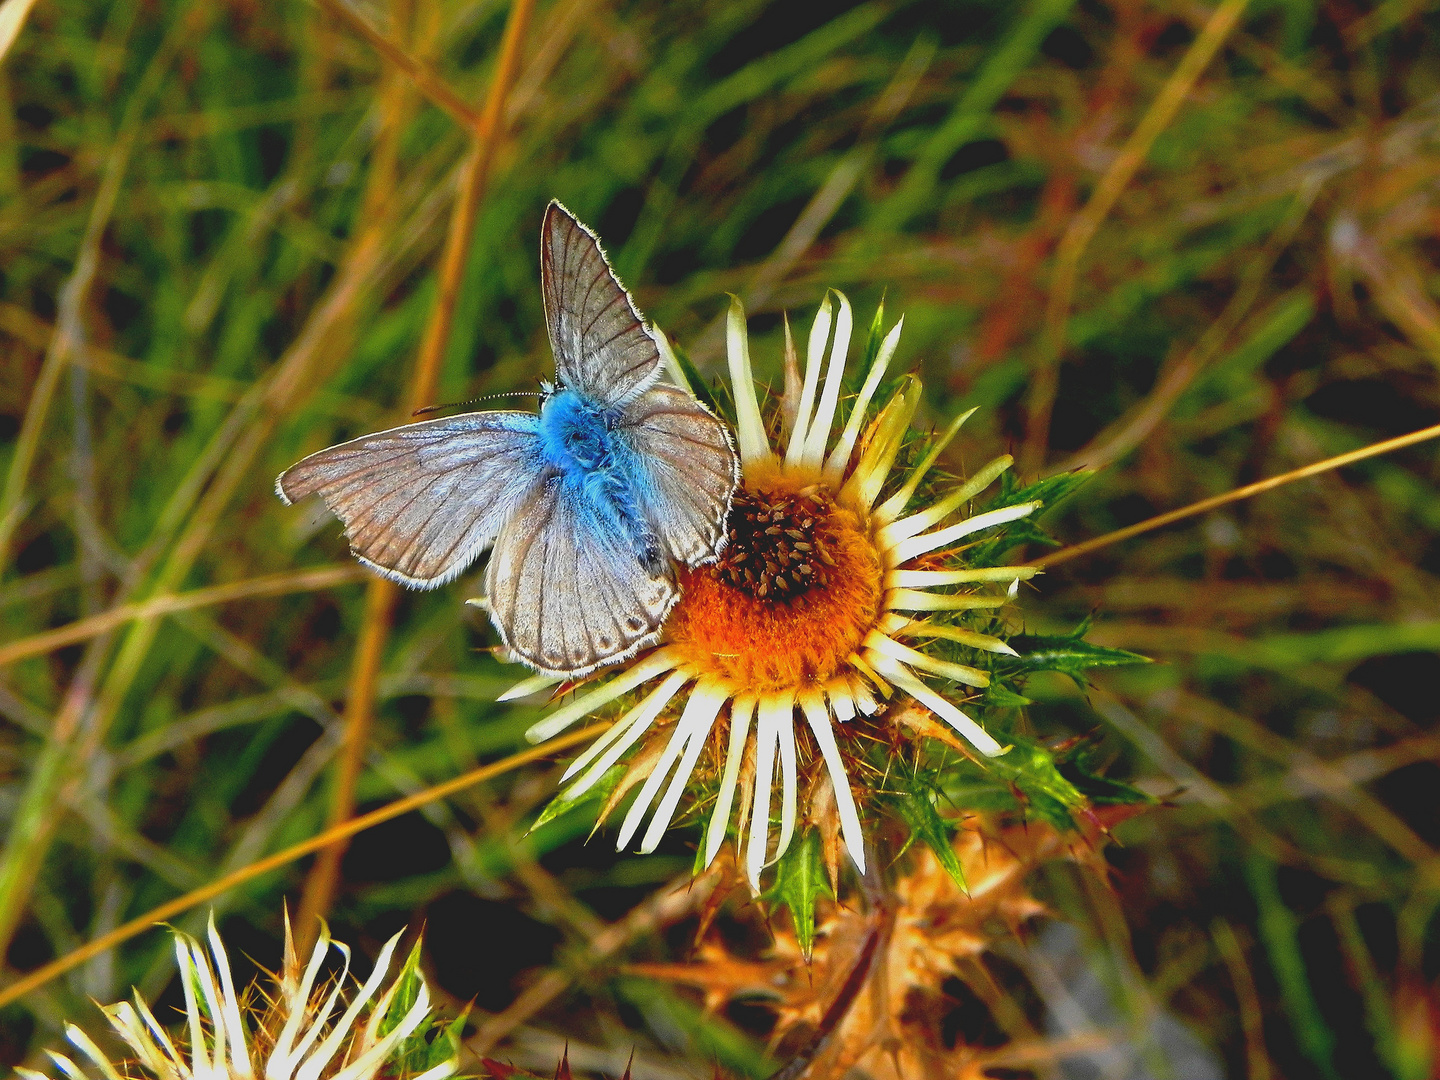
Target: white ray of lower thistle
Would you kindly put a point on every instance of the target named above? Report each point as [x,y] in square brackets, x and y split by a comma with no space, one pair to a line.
[139,1028]
[201,977]
[68,1067]
[328,1047]
[308,1046]
[229,1011]
[287,1054]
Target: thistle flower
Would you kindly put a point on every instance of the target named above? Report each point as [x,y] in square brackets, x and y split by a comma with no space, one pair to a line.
[295,1034]
[815,612]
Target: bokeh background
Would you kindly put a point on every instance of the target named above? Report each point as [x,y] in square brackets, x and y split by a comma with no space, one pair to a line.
[221,228]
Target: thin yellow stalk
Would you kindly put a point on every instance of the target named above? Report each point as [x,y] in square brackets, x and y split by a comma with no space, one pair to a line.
[291,581]
[171,908]
[1204,506]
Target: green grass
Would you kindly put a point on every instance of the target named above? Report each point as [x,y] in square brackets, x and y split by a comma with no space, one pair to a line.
[184,188]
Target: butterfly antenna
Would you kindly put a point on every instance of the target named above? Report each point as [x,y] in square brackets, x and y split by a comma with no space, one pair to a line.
[428,409]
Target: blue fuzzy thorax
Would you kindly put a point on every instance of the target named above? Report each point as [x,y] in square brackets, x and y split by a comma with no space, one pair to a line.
[577,438]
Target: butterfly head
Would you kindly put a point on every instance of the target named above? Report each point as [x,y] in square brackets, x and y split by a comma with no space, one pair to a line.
[573,433]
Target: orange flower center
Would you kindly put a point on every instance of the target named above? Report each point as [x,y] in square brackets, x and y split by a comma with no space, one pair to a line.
[793,594]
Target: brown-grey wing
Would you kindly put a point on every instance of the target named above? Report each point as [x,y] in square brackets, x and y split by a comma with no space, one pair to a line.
[689,467]
[421,502]
[601,345]
[566,590]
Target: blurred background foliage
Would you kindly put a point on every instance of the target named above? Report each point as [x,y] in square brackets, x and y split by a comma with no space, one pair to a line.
[220,224]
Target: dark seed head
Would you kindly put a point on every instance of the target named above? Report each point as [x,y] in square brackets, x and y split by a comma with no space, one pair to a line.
[773,550]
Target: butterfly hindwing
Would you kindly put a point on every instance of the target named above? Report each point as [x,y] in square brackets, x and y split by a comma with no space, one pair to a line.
[687,470]
[601,346]
[421,502]
[565,587]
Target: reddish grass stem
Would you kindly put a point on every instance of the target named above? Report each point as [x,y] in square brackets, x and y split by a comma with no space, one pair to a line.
[425,78]
[382,595]
[1083,227]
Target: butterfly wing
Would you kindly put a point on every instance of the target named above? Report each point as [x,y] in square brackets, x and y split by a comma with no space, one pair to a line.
[421,502]
[566,590]
[601,346]
[686,468]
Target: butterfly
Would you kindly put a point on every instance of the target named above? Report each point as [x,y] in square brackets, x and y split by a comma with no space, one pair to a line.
[589,504]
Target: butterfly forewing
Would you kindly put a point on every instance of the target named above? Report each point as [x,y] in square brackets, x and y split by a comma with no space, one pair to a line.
[421,502]
[601,346]
[688,468]
[565,588]
[573,508]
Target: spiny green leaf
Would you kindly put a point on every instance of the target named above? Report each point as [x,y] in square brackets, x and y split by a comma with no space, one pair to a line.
[799,879]
[563,803]
[1069,654]
[1077,764]
[407,990]
[999,696]
[1026,779]
[1049,492]
[430,1044]
[448,1041]
[1032,771]
[917,807]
